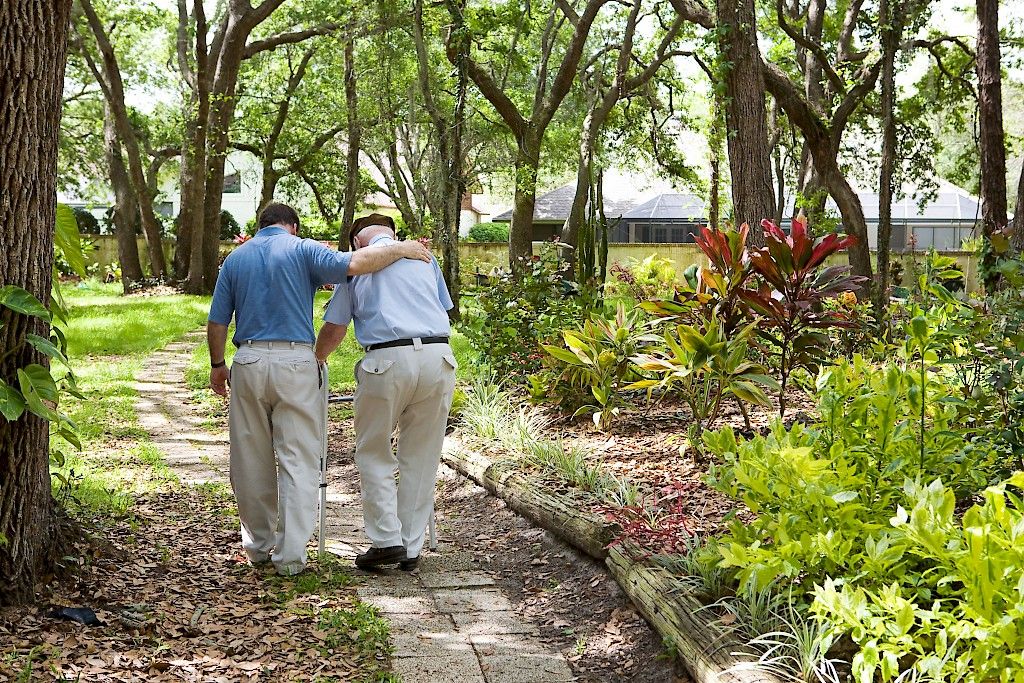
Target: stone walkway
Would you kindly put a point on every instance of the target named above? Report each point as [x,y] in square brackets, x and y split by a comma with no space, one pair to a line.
[449,623]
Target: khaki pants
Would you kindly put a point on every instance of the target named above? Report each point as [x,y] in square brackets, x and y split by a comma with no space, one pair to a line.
[276,409]
[410,388]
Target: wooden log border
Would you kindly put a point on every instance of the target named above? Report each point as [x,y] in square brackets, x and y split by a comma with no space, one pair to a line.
[705,650]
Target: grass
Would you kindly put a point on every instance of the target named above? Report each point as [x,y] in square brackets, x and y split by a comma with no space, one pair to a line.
[109,337]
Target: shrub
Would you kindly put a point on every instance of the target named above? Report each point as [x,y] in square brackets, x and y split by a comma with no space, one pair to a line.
[229,227]
[488,232]
[793,286]
[87,223]
[644,279]
[512,316]
[588,371]
[703,367]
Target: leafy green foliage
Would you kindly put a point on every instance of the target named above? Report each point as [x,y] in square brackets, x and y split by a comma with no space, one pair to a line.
[592,366]
[703,367]
[961,619]
[643,279]
[229,227]
[488,232]
[512,316]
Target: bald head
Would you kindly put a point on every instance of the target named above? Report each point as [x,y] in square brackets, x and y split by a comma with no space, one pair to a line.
[367,234]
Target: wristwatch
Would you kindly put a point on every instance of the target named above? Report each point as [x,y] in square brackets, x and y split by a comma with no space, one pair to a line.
[217,365]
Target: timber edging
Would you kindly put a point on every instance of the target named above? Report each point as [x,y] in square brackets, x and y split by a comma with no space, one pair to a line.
[704,648]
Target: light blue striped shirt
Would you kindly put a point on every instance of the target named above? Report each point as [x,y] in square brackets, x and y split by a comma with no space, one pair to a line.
[268,285]
[405,300]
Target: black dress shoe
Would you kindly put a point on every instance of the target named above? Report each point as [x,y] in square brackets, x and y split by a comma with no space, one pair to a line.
[378,557]
[409,564]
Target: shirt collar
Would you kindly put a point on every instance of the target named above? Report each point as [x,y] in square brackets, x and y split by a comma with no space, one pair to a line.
[380,238]
[272,230]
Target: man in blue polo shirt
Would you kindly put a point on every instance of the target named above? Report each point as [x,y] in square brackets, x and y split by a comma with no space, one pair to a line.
[406,379]
[268,285]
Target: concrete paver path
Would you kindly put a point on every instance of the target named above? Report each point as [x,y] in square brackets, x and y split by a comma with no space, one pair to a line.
[449,621]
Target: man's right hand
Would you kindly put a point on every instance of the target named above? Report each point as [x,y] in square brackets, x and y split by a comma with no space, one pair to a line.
[414,250]
[219,380]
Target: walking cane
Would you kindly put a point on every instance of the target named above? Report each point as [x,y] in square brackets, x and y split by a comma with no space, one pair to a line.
[323,460]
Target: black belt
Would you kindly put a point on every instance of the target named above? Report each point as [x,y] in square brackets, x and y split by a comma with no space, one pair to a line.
[407,342]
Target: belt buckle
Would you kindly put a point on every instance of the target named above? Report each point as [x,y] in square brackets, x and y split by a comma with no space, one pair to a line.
[417,343]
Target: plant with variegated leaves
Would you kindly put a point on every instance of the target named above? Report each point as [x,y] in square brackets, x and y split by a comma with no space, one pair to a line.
[593,365]
[703,366]
[714,292]
[793,283]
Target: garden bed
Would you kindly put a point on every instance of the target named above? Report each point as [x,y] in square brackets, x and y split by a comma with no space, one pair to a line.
[694,632]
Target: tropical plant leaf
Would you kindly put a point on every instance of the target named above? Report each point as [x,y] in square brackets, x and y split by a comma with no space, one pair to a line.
[12,403]
[67,240]
[38,388]
[22,301]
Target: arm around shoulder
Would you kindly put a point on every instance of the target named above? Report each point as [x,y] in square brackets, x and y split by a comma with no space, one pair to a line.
[371,260]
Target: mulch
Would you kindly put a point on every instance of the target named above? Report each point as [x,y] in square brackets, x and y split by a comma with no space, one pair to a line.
[178,602]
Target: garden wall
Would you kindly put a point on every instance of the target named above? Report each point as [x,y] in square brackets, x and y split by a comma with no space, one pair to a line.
[483,256]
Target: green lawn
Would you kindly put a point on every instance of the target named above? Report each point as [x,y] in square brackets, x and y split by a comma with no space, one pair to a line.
[108,338]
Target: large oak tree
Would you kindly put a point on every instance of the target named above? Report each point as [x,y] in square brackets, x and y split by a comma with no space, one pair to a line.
[33,41]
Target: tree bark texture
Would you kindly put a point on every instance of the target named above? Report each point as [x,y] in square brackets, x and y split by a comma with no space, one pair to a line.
[753,195]
[354,128]
[520,234]
[1017,238]
[891,18]
[109,78]
[33,43]
[991,140]
[125,212]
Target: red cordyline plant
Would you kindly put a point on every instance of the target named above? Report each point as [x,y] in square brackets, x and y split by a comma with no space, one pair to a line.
[715,290]
[792,287]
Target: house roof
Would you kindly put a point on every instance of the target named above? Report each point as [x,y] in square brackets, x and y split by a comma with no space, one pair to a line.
[950,204]
[554,206]
[668,206]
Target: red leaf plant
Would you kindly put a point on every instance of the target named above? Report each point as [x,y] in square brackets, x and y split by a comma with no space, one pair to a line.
[792,286]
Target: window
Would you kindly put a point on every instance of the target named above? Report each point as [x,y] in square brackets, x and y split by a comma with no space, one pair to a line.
[233,183]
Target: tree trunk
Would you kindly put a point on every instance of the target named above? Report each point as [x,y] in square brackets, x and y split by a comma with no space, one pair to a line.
[354,135]
[191,223]
[891,18]
[520,234]
[32,56]
[584,180]
[991,141]
[753,195]
[126,207]
[113,89]
[1017,238]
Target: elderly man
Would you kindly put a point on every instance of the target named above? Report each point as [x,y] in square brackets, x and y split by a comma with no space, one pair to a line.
[268,284]
[406,379]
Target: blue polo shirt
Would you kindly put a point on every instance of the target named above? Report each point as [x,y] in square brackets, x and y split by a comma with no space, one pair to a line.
[268,285]
[405,300]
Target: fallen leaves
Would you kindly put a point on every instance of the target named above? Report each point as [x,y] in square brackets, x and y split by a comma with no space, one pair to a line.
[178,606]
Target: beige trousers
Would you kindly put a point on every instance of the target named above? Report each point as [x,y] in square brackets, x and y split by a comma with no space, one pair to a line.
[275,421]
[410,388]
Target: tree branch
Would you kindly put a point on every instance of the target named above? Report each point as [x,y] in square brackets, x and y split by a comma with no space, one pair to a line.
[817,50]
[570,61]
[288,38]
[694,12]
